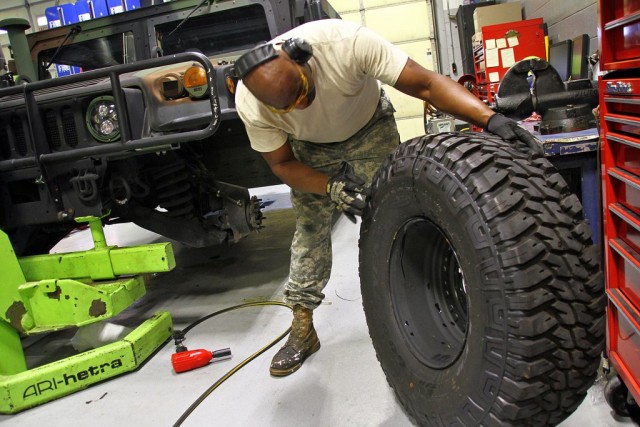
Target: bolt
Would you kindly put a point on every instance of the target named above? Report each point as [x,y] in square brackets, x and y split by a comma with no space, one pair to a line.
[65,215]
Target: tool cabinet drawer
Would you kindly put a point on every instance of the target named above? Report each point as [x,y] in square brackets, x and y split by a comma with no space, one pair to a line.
[625,152]
[624,340]
[625,187]
[620,24]
[621,104]
[623,124]
[626,225]
[620,99]
[627,264]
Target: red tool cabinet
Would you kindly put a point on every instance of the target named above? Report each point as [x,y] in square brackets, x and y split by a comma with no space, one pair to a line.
[619,91]
[501,46]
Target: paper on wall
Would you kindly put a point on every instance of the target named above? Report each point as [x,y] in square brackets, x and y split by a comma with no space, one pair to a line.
[513,41]
[490,44]
[501,43]
[491,58]
[508,57]
[494,77]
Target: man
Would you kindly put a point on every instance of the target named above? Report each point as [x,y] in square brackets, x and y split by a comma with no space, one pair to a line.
[312,105]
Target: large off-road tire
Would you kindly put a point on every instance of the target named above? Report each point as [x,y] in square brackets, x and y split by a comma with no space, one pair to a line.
[482,290]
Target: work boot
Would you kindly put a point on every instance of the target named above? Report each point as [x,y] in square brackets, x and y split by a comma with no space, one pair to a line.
[302,342]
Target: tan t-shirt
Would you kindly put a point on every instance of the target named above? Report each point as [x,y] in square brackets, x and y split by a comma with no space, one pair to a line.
[348,61]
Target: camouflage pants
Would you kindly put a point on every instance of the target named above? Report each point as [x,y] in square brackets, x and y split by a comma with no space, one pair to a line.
[311,255]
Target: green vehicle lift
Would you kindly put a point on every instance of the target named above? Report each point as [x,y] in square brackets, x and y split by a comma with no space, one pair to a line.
[46,293]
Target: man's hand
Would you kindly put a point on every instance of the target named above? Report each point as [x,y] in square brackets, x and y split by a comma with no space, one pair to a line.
[509,130]
[344,190]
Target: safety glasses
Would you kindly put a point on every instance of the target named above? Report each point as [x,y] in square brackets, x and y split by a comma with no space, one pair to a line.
[304,91]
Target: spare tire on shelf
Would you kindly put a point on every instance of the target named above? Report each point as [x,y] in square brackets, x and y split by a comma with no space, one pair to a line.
[481,287]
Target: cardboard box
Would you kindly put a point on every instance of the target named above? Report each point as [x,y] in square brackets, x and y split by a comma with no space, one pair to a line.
[476,39]
[497,14]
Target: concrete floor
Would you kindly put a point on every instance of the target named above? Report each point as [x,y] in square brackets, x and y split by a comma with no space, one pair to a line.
[341,385]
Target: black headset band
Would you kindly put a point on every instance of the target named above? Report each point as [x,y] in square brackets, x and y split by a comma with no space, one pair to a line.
[253,58]
[297,49]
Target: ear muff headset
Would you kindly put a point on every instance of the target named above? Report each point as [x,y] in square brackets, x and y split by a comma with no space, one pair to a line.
[298,50]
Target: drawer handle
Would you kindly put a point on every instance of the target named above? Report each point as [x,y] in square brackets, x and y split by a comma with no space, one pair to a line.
[625,177]
[632,101]
[622,140]
[621,120]
[625,252]
[624,306]
[622,21]
[626,215]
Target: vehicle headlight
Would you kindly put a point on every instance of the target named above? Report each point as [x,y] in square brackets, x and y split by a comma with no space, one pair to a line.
[102,119]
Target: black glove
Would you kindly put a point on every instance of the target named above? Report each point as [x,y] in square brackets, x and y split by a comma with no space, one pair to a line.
[344,188]
[509,130]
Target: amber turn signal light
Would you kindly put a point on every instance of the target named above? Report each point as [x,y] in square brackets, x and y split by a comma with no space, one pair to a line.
[195,81]
[231,85]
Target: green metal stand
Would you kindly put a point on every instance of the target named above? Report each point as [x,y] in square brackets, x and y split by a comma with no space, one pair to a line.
[49,292]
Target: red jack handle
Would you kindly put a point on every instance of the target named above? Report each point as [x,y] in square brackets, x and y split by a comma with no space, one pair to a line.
[192,359]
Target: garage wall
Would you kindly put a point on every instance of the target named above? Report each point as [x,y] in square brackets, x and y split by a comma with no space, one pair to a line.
[408,25]
[566,19]
[24,9]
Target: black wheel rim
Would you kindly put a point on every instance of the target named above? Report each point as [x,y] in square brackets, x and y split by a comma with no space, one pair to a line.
[428,293]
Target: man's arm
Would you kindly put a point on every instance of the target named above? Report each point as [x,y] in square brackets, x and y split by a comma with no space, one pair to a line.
[452,98]
[344,189]
[294,173]
[443,93]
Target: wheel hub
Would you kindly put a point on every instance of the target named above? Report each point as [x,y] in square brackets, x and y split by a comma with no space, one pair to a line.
[428,293]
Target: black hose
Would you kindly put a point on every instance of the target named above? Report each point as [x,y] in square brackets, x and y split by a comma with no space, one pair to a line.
[222,379]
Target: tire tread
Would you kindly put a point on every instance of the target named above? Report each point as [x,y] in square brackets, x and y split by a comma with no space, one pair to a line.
[552,283]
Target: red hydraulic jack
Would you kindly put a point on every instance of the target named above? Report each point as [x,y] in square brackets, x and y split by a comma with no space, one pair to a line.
[184,360]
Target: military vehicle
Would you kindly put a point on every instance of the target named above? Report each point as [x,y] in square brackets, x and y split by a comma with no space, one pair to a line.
[147,132]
